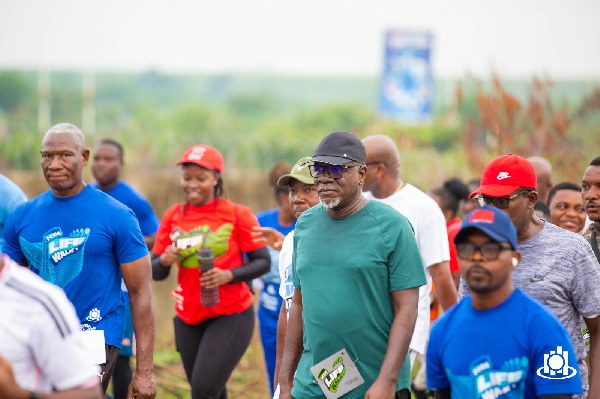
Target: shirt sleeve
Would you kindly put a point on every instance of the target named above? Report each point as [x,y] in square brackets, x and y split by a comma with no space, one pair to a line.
[405,262]
[146,217]
[245,223]
[432,236]
[129,245]
[11,245]
[163,239]
[551,345]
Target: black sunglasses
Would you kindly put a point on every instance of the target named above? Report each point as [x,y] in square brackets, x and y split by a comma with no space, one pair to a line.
[498,202]
[335,171]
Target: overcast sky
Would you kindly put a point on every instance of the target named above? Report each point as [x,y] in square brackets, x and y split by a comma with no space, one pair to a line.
[517,38]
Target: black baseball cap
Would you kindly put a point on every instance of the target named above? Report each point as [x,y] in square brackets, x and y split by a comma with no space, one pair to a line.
[338,148]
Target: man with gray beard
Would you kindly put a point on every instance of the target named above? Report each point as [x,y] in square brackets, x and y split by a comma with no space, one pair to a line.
[356,270]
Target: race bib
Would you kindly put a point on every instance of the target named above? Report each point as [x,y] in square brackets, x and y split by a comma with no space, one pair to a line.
[337,375]
[95,346]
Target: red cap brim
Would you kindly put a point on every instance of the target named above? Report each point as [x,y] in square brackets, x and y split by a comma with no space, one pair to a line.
[494,190]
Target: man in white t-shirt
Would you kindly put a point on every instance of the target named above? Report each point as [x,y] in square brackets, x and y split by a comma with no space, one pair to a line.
[384,184]
[41,345]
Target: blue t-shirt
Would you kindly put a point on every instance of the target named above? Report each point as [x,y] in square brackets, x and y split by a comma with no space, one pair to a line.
[268,218]
[78,243]
[130,197]
[12,196]
[517,349]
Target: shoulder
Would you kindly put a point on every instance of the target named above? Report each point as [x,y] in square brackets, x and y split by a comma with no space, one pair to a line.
[533,308]
[239,211]
[571,243]
[386,214]
[173,209]
[10,188]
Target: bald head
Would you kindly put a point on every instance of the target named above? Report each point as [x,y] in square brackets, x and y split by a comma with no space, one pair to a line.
[543,171]
[383,162]
[381,148]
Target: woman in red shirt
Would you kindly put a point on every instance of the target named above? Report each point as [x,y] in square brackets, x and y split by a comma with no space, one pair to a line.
[210,339]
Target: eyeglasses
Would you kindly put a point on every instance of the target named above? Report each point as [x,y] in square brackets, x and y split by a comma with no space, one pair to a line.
[490,250]
[498,202]
[335,171]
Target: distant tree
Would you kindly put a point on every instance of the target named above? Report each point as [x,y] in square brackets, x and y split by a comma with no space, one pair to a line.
[495,122]
[15,90]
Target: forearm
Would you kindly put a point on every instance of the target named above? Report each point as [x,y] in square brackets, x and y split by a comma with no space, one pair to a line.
[401,333]
[293,345]
[259,264]
[281,330]
[159,272]
[142,312]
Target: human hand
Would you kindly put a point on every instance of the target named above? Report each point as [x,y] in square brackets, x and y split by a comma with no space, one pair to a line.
[170,255]
[269,236]
[215,277]
[142,387]
[381,390]
[8,385]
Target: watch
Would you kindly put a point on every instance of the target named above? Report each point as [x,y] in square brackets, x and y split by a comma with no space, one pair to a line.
[33,395]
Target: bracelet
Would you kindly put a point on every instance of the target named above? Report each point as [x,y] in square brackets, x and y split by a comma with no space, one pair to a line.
[33,395]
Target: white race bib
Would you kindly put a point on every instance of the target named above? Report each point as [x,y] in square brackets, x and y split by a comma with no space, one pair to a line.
[95,346]
[337,375]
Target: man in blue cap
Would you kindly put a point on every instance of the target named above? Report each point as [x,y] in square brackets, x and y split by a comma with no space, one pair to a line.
[498,341]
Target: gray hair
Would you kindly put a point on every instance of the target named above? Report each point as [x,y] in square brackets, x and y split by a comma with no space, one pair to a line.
[69,129]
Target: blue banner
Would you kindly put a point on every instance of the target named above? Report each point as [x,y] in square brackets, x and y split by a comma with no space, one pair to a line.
[407,82]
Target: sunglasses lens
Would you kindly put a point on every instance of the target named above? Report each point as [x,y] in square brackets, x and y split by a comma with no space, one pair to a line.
[316,171]
[335,171]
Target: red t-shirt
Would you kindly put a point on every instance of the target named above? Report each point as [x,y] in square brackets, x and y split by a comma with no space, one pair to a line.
[453,227]
[221,225]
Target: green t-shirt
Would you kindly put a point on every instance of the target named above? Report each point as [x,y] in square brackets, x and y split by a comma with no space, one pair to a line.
[346,269]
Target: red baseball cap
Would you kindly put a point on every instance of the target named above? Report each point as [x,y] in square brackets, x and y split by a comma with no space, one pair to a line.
[505,174]
[203,155]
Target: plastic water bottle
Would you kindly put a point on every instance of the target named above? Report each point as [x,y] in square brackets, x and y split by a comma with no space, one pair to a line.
[208,296]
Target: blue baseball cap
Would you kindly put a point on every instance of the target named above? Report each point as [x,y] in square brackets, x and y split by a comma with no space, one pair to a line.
[491,221]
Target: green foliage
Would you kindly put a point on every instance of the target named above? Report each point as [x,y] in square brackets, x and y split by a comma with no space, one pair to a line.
[15,91]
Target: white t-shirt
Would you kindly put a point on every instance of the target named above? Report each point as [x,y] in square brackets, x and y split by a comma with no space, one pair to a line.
[429,225]
[40,333]
[286,288]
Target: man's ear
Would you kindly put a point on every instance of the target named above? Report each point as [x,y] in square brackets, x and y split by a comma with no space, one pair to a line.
[532,198]
[85,154]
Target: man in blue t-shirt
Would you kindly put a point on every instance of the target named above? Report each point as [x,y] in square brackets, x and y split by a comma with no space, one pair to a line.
[106,168]
[498,342]
[85,242]
[283,220]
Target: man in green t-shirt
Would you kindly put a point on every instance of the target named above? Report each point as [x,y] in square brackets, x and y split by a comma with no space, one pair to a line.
[356,268]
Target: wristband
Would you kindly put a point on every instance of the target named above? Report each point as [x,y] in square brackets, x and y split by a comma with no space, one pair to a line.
[33,395]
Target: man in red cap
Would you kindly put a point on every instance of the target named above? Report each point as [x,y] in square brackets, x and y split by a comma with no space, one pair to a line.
[557,267]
